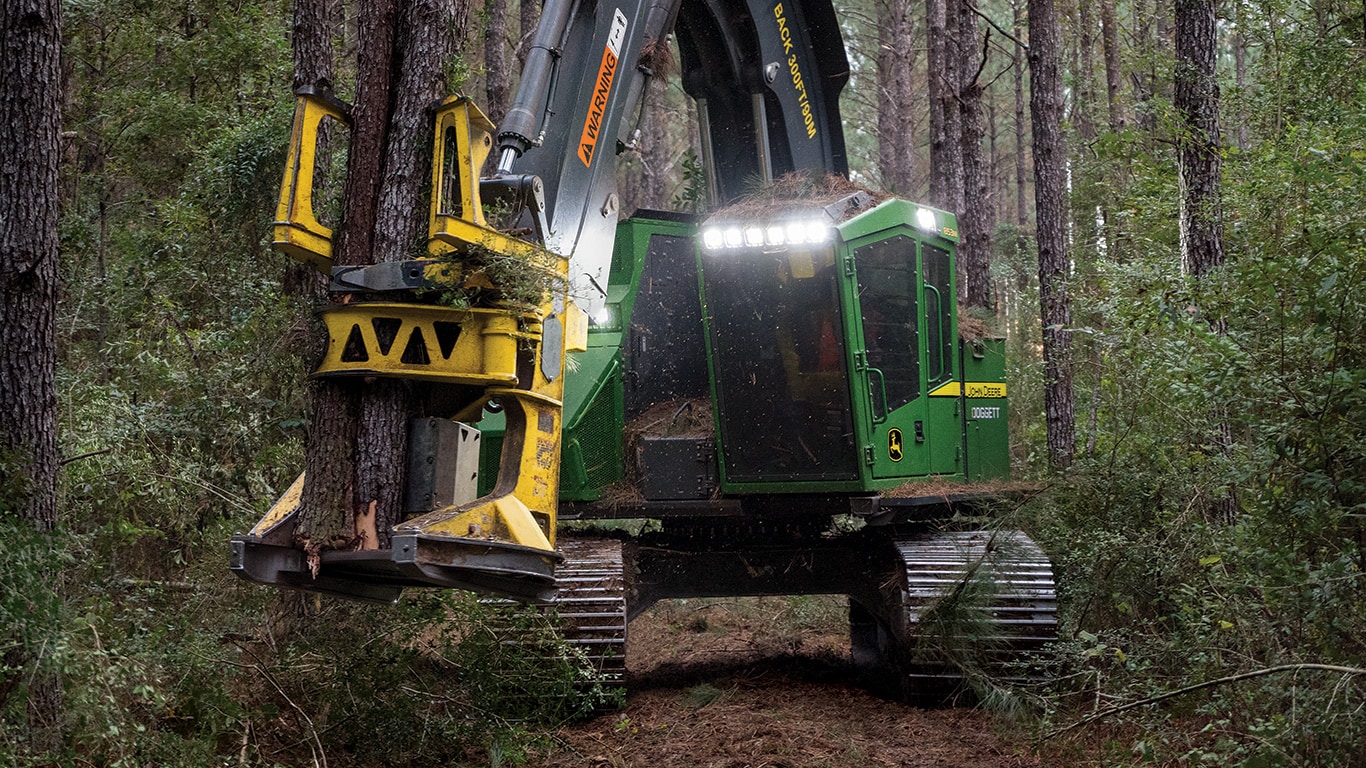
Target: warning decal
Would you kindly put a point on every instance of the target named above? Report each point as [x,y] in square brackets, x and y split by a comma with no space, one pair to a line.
[607,73]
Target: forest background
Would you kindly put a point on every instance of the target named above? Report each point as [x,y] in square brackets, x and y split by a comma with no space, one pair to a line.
[1205,516]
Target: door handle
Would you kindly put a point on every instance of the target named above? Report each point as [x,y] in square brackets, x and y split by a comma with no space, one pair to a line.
[875,393]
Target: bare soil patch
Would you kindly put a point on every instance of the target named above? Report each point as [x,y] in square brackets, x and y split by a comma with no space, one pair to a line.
[767,683]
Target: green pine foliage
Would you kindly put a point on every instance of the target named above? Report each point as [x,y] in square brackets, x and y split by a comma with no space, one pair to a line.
[1158,591]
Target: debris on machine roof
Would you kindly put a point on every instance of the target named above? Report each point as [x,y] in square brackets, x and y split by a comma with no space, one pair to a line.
[801,190]
[971,328]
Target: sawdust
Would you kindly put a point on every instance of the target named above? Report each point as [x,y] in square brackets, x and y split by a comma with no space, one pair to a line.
[681,417]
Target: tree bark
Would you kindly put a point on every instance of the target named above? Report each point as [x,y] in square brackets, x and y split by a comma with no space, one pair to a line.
[1196,95]
[327,516]
[974,252]
[30,98]
[529,12]
[946,126]
[357,456]
[1109,35]
[896,56]
[388,405]
[1018,65]
[654,146]
[1197,102]
[497,77]
[30,123]
[312,42]
[1050,157]
[1142,79]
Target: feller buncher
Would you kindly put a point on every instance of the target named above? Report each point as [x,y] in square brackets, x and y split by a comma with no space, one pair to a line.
[782,388]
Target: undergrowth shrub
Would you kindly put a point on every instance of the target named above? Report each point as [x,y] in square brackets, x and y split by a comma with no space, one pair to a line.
[442,676]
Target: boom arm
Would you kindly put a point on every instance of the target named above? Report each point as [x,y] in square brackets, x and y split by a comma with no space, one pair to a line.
[766,76]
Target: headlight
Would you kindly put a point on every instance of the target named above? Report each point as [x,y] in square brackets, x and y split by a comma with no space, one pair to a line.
[925,219]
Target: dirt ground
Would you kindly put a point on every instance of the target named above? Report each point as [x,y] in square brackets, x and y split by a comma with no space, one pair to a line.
[767,683]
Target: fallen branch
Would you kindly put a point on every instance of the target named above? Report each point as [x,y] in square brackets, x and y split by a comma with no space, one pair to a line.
[1348,671]
[85,455]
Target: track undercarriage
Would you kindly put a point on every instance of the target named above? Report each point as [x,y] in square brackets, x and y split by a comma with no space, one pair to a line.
[933,612]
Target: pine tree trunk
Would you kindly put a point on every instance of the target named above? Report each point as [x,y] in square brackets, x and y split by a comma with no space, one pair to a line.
[30,90]
[1050,157]
[529,12]
[1141,78]
[896,127]
[1202,243]
[30,122]
[327,516]
[387,406]
[312,41]
[1083,74]
[357,454]
[497,77]
[1018,66]
[974,251]
[1197,102]
[946,126]
[654,147]
[1109,33]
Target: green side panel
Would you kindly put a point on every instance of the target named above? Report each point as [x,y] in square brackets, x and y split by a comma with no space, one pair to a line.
[591,455]
[988,441]
[946,435]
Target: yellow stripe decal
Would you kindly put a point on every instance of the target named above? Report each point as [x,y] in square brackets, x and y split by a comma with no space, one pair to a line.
[972,389]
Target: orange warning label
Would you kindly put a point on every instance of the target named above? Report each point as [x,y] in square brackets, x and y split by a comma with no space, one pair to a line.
[607,73]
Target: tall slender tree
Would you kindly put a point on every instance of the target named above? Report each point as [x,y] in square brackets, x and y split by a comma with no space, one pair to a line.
[1017,65]
[30,98]
[1109,36]
[946,126]
[896,57]
[1197,102]
[30,109]
[1050,216]
[977,215]
[328,515]
[497,74]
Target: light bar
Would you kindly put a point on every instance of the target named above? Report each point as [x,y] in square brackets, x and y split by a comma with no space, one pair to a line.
[777,234]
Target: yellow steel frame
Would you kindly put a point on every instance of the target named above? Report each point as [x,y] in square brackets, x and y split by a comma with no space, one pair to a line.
[484,353]
[297,231]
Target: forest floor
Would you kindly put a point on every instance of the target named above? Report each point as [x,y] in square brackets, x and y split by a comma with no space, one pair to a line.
[768,683]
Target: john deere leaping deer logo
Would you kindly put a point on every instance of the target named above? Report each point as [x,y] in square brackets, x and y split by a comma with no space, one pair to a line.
[894,451]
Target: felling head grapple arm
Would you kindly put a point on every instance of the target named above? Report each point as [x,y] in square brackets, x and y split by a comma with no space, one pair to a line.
[767,77]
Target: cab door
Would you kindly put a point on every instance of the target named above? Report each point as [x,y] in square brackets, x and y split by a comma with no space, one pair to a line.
[887,326]
[944,429]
